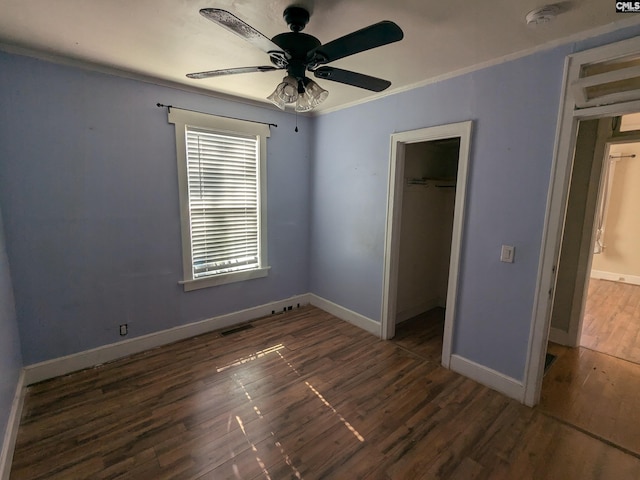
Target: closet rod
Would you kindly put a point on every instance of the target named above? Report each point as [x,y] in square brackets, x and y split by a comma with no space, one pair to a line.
[633,155]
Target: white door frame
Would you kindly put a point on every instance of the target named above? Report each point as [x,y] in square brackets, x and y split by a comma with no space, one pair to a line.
[460,130]
[566,135]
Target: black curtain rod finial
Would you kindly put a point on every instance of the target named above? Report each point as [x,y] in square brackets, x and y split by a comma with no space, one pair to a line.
[161,105]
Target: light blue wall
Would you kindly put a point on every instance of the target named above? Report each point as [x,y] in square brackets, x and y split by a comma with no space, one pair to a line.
[89,192]
[514,107]
[10,356]
[89,188]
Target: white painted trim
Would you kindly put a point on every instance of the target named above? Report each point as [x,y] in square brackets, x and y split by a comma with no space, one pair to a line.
[608,111]
[345,314]
[107,353]
[580,36]
[460,130]
[560,336]
[486,376]
[566,134]
[224,278]
[616,277]
[392,240]
[11,433]
[430,304]
[580,85]
[182,120]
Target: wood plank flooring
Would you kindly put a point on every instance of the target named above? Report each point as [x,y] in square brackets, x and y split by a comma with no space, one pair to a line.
[302,395]
[422,334]
[611,321]
[596,387]
[595,392]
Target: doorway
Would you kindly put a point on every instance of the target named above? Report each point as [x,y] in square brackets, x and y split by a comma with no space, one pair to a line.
[427,184]
[601,82]
[610,318]
[599,240]
[593,383]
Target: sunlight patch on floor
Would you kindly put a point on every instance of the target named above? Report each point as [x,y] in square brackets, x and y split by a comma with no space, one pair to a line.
[254,356]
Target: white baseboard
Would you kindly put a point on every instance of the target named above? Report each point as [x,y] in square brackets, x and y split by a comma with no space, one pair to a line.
[417,310]
[11,433]
[488,377]
[345,314]
[107,353]
[616,277]
[560,336]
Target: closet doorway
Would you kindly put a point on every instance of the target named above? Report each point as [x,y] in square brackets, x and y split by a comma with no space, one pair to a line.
[427,183]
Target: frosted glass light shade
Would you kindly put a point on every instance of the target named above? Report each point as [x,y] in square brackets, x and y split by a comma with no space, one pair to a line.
[285,92]
[316,93]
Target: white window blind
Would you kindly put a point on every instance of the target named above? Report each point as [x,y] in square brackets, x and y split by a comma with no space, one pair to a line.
[221,166]
[222,177]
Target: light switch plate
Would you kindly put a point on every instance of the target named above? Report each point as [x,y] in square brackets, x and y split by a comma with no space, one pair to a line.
[507,253]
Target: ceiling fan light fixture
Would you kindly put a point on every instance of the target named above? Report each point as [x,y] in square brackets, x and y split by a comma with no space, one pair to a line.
[304,103]
[276,100]
[288,89]
[285,92]
[316,93]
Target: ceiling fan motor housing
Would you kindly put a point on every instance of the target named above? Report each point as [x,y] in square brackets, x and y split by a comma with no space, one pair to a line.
[297,45]
[296,18]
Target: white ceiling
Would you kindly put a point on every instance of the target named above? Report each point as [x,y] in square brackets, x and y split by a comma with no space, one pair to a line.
[166,39]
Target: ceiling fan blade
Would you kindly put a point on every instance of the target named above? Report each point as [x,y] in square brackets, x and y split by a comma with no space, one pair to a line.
[235,25]
[352,78]
[376,35]
[231,71]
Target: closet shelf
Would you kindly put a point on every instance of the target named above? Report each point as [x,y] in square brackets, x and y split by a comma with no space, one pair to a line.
[431,182]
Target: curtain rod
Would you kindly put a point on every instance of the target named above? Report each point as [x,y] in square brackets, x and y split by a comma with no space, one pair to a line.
[169,107]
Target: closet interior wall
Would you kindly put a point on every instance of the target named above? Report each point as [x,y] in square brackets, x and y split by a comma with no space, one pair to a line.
[426,226]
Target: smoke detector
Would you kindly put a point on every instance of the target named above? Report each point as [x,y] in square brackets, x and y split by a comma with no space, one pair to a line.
[542,15]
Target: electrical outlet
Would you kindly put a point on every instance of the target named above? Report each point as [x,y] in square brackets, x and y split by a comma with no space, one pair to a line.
[123,329]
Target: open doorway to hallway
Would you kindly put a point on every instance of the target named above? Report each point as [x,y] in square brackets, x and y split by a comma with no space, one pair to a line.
[595,322]
[611,319]
[600,238]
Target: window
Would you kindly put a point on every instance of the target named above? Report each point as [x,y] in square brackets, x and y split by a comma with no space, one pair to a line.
[221,170]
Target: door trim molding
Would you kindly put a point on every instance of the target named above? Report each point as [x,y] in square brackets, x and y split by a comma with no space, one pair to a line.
[566,133]
[460,130]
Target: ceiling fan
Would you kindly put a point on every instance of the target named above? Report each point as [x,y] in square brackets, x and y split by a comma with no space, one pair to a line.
[298,52]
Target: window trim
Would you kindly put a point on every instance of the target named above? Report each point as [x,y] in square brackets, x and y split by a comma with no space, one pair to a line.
[229,126]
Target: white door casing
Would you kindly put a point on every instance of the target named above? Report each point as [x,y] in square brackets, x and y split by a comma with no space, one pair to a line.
[460,130]
[572,97]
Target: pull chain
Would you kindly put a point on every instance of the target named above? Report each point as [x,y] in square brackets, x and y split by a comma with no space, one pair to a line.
[296,129]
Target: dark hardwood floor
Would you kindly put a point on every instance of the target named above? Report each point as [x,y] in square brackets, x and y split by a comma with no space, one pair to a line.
[596,387]
[595,392]
[299,395]
[422,334]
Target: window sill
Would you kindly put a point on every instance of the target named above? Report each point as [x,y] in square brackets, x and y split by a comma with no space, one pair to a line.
[223,279]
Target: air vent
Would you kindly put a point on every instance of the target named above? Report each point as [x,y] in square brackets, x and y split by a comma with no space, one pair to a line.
[241,328]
